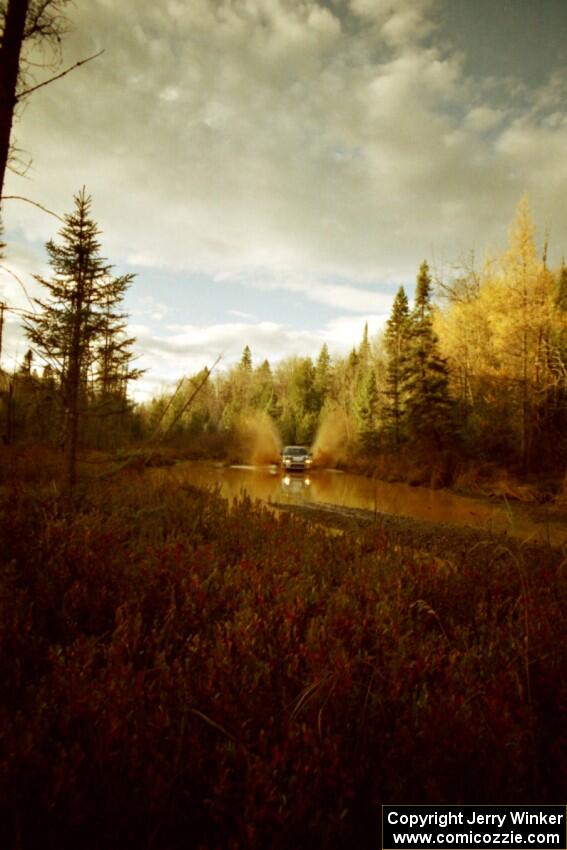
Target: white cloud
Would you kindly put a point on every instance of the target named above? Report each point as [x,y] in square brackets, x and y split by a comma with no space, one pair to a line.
[336,295]
[149,306]
[240,314]
[185,349]
[306,148]
[286,145]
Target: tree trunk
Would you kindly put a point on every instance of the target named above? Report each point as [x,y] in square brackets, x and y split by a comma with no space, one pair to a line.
[10,50]
[73,385]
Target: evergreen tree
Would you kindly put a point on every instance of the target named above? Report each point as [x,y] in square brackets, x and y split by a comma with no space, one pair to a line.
[364,348]
[246,359]
[113,352]
[425,374]
[366,410]
[80,309]
[396,342]
[322,381]
[353,360]
[264,392]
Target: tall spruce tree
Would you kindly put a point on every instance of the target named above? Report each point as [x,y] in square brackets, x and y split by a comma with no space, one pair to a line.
[364,348]
[246,359]
[79,312]
[366,410]
[323,372]
[396,342]
[113,352]
[425,374]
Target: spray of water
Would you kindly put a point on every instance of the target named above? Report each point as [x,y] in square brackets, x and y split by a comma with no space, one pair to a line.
[332,440]
[259,440]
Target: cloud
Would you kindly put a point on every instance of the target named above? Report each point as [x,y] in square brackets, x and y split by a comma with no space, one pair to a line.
[240,314]
[483,118]
[186,349]
[311,146]
[320,148]
[149,306]
[337,295]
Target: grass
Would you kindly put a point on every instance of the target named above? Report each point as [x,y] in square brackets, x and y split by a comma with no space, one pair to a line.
[178,672]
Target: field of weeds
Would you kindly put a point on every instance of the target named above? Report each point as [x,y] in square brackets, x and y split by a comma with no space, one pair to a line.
[176,672]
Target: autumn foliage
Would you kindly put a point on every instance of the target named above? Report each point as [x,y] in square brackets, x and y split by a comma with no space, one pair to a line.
[176,672]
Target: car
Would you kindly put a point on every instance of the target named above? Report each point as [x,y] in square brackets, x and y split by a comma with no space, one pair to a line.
[296,457]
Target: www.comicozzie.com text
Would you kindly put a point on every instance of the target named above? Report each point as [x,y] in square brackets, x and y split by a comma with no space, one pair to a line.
[444,819]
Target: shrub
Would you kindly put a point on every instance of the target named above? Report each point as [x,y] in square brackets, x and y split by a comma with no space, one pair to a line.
[176,671]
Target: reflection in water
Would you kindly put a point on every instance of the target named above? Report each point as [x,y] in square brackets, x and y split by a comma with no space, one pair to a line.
[356,491]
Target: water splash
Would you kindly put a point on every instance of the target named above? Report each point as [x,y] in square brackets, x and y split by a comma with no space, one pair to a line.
[259,440]
[331,445]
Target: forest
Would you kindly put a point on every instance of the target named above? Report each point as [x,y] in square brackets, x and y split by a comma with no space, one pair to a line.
[475,367]
[471,370]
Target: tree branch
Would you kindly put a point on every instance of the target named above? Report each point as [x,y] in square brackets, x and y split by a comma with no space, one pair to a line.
[18,280]
[35,204]
[20,95]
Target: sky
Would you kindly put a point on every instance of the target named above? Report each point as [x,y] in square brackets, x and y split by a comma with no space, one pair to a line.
[273,170]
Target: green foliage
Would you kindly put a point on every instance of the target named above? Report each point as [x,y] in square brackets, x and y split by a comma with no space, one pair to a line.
[364,349]
[176,670]
[298,400]
[366,410]
[425,375]
[246,359]
[396,342]
[323,376]
[264,397]
[80,330]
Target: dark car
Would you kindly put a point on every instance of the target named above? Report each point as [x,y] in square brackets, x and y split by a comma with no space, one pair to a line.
[296,457]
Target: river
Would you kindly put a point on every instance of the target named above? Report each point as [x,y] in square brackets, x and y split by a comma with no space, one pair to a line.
[269,484]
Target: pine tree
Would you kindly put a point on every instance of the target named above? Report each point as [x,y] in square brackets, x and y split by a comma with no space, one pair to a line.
[80,309]
[364,348]
[425,373]
[366,409]
[322,381]
[113,353]
[246,359]
[396,341]
[264,393]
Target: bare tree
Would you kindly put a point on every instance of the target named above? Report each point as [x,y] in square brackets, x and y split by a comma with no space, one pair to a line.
[24,23]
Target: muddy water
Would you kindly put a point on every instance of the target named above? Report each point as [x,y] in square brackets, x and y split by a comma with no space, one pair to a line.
[356,491]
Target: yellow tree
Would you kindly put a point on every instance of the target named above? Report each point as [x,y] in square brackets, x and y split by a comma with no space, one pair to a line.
[522,318]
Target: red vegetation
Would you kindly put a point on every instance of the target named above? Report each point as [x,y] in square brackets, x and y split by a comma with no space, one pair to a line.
[175,673]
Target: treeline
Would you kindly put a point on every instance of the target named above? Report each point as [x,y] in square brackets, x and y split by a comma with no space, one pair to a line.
[481,372]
